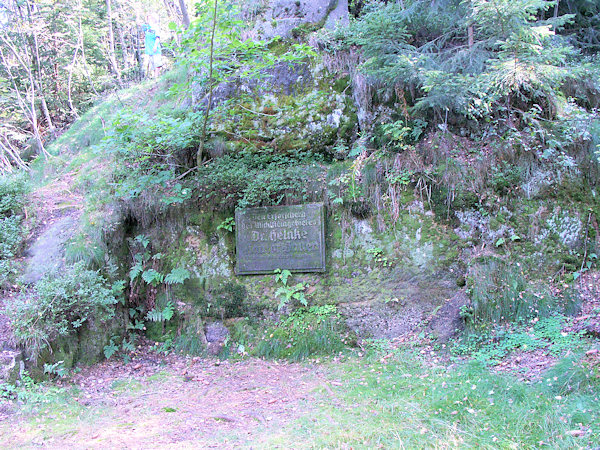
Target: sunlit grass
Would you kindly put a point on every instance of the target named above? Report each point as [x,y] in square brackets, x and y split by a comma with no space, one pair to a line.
[407,404]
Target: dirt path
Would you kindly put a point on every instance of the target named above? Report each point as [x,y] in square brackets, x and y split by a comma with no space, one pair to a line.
[158,401]
[51,218]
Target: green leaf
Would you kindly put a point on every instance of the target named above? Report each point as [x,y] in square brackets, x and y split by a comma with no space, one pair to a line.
[135,271]
[142,239]
[500,242]
[153,277]
[177,276]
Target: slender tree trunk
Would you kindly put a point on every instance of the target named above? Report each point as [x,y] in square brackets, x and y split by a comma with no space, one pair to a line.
[35,50]
[471,34]
[184,14]
[70,79]
[9,153]
[28,107]
[124,52]
[82,46]
[200,154]
[111,44]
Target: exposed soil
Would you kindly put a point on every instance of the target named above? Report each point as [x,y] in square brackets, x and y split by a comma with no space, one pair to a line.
[589,316]
[158,401]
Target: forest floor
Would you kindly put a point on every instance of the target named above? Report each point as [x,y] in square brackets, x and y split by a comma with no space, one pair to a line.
[156,400]
[402,399]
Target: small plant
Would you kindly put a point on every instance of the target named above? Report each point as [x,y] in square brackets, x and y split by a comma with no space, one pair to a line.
[546,333]
[161,315]
[287,292]
[590,260]
[503,294]
[466,313]
[126,346]
[111,348]
[306,332]
[378,256]
[227,225]
[57,369]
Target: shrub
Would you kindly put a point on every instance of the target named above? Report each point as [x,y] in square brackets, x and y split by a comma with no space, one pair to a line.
[11,236]
[60,305]
[253,179]
[317,330]
[12,195]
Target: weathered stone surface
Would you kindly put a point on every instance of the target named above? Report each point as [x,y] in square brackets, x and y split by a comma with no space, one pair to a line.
[281,17]
[11,365]
[216,334]
[402,302]
[47,253]
[447,323]
[281,237]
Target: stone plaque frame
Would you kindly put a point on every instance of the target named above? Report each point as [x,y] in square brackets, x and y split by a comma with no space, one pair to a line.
[280,237]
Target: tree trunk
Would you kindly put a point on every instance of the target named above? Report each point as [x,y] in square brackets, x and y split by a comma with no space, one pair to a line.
[471,36]
[111,45]
[184,14]
[38,81]
[200,154]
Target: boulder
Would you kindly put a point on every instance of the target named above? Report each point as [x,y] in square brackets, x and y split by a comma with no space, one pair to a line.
[216,334]
[447,322]
[284,17]
[48,251]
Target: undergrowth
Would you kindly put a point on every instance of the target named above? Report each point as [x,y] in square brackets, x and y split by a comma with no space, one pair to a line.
[12,234]
[404,403]
[491,345]
[317,330]
[59,306]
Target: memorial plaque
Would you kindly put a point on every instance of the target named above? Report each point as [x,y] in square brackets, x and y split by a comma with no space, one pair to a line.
[280,237]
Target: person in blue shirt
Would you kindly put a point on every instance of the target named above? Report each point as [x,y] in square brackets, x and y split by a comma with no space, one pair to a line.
[152,50]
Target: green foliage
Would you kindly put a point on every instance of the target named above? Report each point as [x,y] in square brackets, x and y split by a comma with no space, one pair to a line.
[250,179]
[287,292]
[317,330]
[151,149]
[547,334]
[501,293]
[57,369]
[376,253]
[227,224]
[59,306]
[11,236]
[505,177]
[177,276]
[463,59]
[161,315]
[12,197]
[460,406]
[110,349]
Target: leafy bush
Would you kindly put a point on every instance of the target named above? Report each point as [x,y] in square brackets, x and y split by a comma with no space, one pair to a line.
[60,305]
[12,195]
[505,177]
[11,236]
[253,179]
[317,330]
